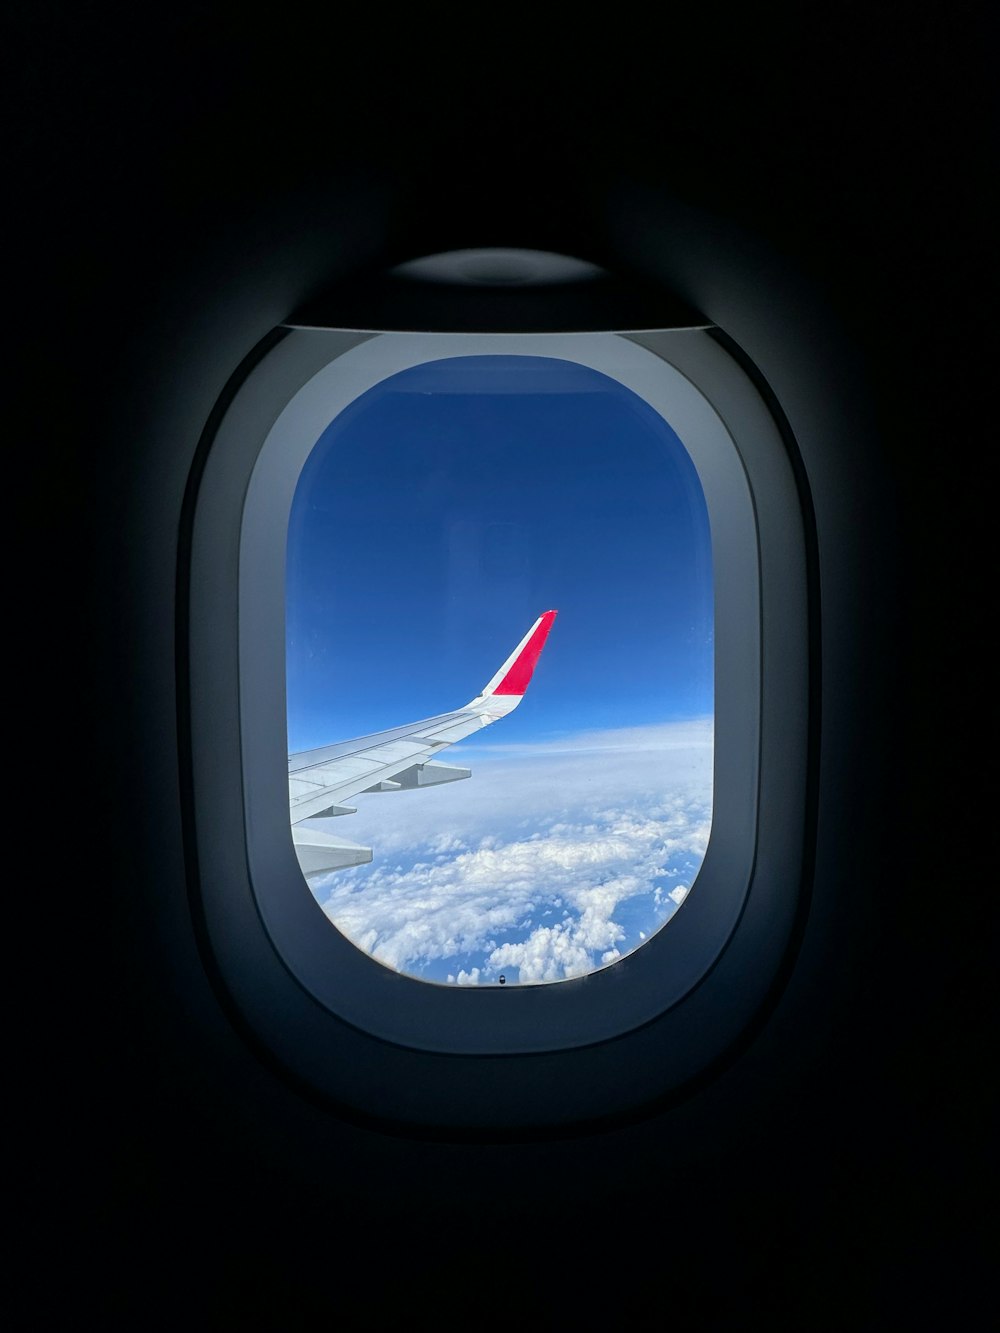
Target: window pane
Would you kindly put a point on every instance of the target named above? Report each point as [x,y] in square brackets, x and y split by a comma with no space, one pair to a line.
[437,517]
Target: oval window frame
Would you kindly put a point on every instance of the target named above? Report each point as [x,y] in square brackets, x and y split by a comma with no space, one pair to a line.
[308,995]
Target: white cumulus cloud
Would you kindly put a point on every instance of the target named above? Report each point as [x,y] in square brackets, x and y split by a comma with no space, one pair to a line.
[550,862]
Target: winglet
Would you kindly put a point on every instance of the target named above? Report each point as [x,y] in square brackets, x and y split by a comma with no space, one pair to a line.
[515,674]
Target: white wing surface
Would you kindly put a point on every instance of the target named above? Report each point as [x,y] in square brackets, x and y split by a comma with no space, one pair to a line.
[320,781]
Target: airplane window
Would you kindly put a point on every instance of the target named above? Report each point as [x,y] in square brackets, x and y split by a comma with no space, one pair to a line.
[446,512]
[578,562]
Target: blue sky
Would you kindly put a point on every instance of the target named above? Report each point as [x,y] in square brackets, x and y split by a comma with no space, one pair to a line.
[448,507]
[436,518]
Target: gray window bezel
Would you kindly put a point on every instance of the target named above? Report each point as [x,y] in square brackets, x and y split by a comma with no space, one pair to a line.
[307,992]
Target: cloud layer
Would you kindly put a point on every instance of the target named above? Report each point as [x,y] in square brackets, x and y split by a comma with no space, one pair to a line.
[555,859]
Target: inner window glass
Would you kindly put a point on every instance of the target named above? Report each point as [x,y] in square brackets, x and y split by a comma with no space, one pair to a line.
[436,519]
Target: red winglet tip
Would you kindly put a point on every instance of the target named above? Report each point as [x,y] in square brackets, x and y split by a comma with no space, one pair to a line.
[518,677]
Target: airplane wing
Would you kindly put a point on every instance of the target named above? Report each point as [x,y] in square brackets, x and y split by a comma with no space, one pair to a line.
[319,781]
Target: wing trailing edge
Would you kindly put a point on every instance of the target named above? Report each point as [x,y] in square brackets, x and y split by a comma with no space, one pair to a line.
[396,760]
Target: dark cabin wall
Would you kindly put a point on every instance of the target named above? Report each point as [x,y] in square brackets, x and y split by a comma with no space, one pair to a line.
[815,185]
